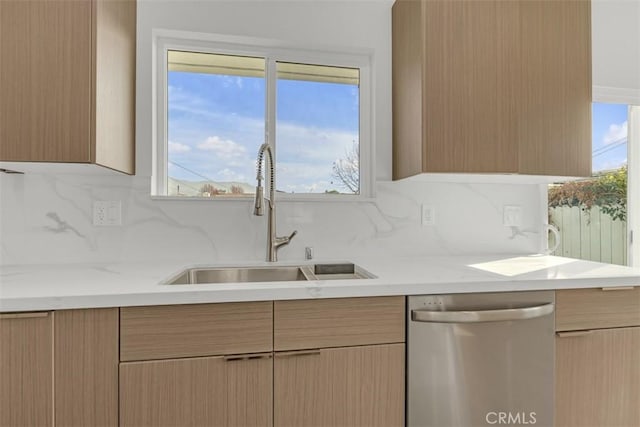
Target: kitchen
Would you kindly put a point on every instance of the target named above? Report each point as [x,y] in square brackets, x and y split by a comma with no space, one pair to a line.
[54,258]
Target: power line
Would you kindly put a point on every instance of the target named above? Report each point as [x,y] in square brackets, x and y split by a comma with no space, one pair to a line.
[191,171]
[618,141]
[609,147]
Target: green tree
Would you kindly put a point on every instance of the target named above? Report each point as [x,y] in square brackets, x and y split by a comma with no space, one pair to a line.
[607,191]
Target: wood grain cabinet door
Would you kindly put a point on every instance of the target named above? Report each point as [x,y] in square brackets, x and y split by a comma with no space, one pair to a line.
[201,391]
[598,378]
[45,80]
[491,87]
[86,367]
[26,369]
[67,82]
[348,386]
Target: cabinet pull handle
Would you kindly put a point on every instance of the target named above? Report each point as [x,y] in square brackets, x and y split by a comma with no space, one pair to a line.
[256,356]
[570,334]
[31,315]
[314,352]
[619,288]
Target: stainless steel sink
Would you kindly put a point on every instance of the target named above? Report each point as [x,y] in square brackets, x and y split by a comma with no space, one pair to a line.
[202,275]
[194,276]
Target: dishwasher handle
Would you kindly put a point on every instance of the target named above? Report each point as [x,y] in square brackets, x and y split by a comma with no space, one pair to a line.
[465,316]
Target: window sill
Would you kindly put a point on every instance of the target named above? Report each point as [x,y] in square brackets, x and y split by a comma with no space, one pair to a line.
[279,199]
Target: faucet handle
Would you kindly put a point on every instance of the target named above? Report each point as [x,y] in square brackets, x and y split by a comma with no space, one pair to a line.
[284,240]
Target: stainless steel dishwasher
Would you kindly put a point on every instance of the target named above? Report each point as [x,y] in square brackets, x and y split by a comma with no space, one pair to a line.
[480,359]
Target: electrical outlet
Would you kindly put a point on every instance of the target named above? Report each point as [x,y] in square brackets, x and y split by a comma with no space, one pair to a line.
[512,216]
[428,215]
[107,213]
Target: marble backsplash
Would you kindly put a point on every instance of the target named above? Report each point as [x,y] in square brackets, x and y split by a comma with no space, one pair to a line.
[46,219]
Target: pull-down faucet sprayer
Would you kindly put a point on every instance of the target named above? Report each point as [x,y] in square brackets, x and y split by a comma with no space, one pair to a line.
[273,242]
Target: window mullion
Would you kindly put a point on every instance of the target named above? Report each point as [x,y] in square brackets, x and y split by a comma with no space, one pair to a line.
[270,109]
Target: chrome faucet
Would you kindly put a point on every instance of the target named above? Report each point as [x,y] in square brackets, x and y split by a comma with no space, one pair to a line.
[273,242]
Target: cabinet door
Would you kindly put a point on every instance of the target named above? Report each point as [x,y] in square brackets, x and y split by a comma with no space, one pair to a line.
[554,130]
[45,80]
[472,78]
[26,374]
[206,391]
[598,378]
[350,386]
[492,87]
[86,367]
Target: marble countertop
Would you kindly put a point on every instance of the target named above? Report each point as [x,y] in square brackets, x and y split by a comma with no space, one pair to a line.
[51,287]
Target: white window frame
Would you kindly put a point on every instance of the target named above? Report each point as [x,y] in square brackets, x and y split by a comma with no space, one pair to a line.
[633,185]
[273,52]
[632,99]
[617,96]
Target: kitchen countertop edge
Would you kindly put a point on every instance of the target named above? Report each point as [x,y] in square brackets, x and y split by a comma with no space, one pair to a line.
[41,288]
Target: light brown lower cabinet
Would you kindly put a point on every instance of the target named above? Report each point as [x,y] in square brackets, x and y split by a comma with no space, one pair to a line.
[200,391]
[26,369]
[59,368]
[86,367]
[347,386]
[598,378]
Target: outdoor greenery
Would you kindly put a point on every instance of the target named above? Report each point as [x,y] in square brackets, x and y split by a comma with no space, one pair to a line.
[607,191]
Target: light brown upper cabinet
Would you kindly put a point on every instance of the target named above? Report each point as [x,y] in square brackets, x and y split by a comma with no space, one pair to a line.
[492,87]
[67,79]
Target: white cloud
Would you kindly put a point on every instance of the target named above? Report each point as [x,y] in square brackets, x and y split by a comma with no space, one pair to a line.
[314,145]
[176,147]
[615,133]
[224,148]
[231,175]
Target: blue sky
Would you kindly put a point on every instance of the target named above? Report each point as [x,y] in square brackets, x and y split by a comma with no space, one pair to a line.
[216,124]
[609,136]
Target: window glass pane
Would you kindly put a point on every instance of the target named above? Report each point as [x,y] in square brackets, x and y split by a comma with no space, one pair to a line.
[591,214]
[317,129]
[216,111]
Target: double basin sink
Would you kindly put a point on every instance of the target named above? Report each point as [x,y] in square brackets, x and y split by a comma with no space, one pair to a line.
[336,271]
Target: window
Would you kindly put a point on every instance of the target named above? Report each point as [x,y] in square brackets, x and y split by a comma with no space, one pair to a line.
[218,102]
[591,214]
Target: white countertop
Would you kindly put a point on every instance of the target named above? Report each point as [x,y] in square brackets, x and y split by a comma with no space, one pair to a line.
[50,287]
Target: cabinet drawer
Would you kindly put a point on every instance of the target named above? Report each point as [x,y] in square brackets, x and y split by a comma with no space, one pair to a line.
[163,332]
[597,308]
[303,324]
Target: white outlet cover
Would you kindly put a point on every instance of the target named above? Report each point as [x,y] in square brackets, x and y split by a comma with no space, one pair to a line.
[512,216]
[107,213]
[428,215]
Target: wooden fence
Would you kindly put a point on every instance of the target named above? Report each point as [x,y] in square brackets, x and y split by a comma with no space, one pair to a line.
[589,235]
